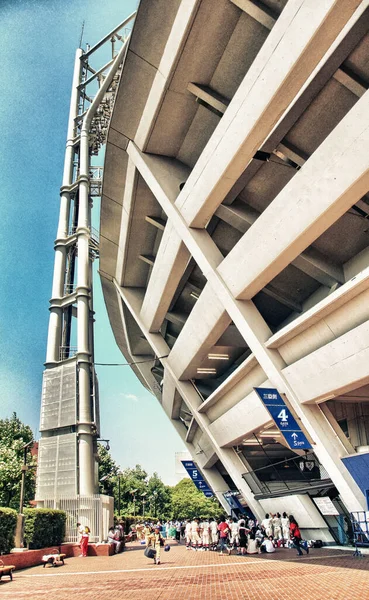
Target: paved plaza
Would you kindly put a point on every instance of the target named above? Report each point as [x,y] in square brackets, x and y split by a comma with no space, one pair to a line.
[325,574]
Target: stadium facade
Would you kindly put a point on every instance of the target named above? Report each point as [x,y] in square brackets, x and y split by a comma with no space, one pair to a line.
[234,242]
[234,252]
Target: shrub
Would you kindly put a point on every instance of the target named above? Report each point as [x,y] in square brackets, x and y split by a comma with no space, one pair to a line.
[44,527]
[131,520]
[8,522]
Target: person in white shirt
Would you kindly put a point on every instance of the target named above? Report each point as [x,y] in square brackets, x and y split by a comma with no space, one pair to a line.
[268,545]
[267,525]
[195,537]
[188,534]
[234,538]
[252,545]
[205,534]
[277,526]
[285,522]
[213,534]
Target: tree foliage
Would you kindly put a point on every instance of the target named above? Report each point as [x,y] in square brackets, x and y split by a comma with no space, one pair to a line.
[188,502]
[14,435]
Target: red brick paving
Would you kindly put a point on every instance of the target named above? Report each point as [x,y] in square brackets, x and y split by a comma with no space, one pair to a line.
[324,575]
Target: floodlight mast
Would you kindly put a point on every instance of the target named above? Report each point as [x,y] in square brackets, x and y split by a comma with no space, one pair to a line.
[69,406]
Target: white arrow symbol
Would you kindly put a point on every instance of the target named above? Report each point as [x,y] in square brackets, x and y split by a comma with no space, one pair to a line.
[294,436]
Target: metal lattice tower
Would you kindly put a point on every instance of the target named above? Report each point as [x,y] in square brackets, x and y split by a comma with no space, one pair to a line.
[69,423]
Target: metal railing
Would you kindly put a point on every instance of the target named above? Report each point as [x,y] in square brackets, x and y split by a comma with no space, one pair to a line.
[291,475]
[94,511]
[69,288]
[67,352]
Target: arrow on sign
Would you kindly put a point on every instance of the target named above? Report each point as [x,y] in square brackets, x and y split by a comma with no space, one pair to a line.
[294,436]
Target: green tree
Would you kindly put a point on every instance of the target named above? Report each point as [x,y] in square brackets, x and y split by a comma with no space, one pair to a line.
[14,435]
[188,502]
[133,483]
[158,496]
[108,471]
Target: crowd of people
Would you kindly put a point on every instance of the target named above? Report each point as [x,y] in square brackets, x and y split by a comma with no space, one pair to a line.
[243,536]
[240,535]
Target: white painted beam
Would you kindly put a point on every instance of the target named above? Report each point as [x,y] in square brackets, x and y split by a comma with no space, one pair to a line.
[302,35]
[208,96]
[203,328]
[170,263]
[311,202]
[350,81]
[258,11]
[176,40]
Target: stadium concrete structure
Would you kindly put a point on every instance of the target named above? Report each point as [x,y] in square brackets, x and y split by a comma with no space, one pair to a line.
[234,242]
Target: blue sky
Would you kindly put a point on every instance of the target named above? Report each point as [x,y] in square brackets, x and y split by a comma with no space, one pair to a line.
[38,43]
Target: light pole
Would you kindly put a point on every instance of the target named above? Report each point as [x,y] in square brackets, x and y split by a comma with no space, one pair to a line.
[155,494]
[107,443]
[19,535]
[133,492]
[119,477]
[143,504]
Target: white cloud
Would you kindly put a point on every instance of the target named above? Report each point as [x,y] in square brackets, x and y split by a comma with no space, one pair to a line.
[130,397]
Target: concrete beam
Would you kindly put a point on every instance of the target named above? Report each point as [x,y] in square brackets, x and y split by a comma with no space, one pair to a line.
[158,223]
[170,263]
[258,11]
[209,96]
[311,202]
[337,299]
[328,372]
[351,81]
[176,40]
[192,430]
[203,328]
[311,261]
[293,49]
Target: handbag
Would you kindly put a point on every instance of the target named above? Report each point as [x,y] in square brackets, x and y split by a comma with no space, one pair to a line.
[150,552]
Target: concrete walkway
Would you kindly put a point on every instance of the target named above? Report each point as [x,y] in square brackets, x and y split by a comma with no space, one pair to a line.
[324,574]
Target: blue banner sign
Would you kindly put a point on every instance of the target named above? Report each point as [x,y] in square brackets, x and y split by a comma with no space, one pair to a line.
[283,418]
[197,478]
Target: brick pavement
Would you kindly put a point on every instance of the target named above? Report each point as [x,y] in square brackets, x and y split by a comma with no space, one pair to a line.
[323,575]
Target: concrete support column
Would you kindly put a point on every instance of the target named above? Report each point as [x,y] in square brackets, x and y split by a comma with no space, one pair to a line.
[59,271]
[54,335]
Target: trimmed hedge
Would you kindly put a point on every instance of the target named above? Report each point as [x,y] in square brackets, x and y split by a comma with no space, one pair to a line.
[131,520]
[44,527]
[8,522]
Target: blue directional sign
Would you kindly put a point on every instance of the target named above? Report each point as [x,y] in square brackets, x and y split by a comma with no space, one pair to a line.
[197,477]
[283,418]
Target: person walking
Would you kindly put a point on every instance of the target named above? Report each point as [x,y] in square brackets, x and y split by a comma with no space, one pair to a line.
[156,542]
[295,535]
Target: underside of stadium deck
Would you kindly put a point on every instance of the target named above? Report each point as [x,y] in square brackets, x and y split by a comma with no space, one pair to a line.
[234,246]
